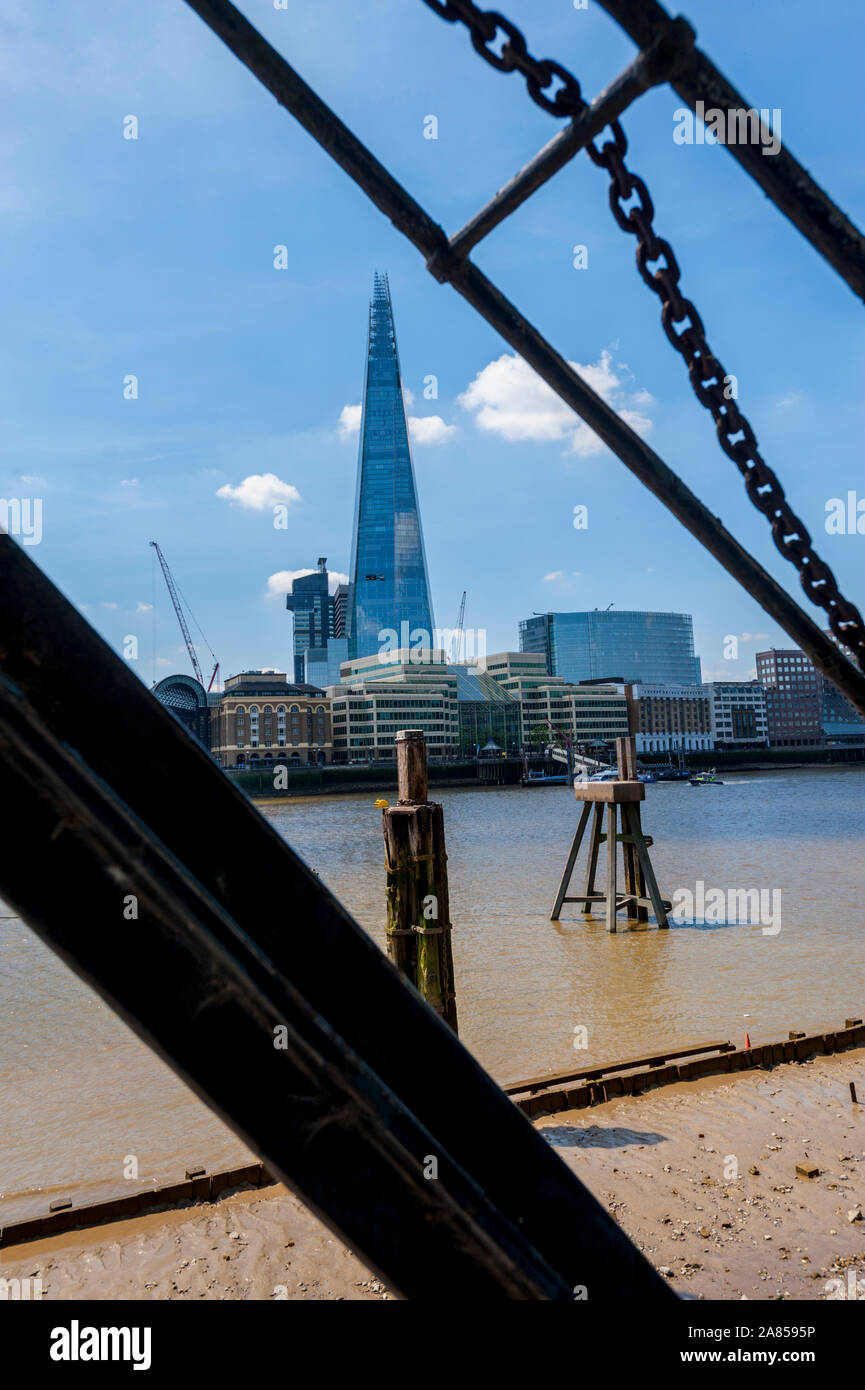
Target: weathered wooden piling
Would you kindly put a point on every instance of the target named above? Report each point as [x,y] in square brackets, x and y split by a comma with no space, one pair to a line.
[621,797]
[418,909]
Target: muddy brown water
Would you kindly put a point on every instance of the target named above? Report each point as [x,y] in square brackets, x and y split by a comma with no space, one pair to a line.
[80,1096]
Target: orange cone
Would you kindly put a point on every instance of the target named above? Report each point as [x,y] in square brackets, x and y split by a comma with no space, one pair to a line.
[747,1040]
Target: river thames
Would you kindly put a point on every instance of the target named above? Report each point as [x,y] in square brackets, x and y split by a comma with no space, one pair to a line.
[80,1094]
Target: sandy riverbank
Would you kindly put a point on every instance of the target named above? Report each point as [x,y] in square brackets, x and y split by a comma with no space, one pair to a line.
[659,1162]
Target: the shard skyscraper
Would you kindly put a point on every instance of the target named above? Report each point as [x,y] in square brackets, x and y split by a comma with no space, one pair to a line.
[389,585]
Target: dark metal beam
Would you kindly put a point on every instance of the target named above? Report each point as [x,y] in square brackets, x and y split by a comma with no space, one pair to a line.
[411,219]
[193,986]
[667,53]
[236,936]
[781,177]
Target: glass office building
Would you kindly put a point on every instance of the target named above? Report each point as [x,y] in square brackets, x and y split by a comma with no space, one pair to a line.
[388,583]
[657,648]
[313,607]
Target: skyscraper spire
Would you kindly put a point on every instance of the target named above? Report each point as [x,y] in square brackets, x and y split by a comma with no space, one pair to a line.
[389,585]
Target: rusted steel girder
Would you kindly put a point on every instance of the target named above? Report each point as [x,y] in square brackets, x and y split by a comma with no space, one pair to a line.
[252,981]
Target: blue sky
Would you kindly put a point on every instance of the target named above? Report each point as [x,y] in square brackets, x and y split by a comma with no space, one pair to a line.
[154,257]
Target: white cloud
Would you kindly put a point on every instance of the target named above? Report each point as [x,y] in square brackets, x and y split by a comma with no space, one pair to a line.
[793,399]
[260,491]
[508,398]
[430,429]
[349,420]
[553,575]
[408,395]
[109,605]
[129,482]
[424,429]
[280,584]
[144,607]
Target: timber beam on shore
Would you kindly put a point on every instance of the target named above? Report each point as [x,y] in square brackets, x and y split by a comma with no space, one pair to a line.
[597,1085]
[601,1084]
[198,1186]
[538,1083]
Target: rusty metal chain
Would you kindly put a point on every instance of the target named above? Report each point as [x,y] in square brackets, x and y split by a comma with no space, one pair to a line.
[710,381]
[484,26]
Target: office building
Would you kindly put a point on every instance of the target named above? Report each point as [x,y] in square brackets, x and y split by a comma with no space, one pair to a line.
[794,698]
[803,708]
[376,698]
[738,714]
[388,578]
[590,715]
[313,607]
[633,646]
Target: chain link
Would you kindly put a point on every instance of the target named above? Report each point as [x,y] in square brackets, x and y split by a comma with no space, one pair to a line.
[679,317]
[484,27]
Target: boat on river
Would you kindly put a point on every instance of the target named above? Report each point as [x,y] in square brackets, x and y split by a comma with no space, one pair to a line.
[536,778]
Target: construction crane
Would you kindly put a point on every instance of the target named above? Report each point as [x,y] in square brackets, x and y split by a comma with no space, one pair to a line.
[177,602]
[458,640]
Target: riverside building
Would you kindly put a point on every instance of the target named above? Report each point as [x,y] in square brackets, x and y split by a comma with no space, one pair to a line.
[803,708]
[589,714]
[377,697]
[738,714]
[672,717]
[263,720]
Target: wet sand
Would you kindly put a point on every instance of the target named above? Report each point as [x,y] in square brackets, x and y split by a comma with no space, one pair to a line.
[663,1164]
[247,1245]
[659,1163]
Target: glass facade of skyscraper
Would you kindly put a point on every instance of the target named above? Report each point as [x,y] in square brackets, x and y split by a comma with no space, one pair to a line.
[389,584]
[657,648]
[312,606]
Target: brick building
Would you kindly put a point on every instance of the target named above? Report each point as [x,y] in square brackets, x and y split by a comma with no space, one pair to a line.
[263,720]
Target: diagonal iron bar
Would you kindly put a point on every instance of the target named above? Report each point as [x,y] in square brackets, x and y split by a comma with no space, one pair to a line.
[648,70]
[235,939]
[409,217]
[781,177]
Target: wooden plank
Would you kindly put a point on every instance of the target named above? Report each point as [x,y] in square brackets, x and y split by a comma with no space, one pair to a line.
[609,791]
[592,1073]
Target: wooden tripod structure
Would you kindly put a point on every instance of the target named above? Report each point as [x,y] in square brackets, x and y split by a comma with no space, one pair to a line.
[620,798]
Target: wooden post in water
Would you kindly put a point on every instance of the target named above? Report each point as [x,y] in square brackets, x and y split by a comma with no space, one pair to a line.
[418,909]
